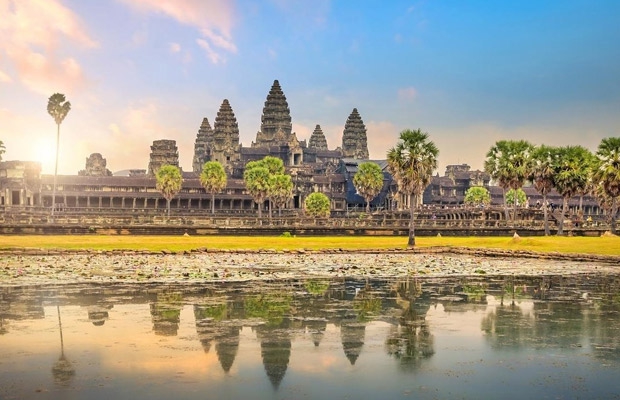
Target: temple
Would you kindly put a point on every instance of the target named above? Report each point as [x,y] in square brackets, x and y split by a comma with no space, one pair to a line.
[313,166]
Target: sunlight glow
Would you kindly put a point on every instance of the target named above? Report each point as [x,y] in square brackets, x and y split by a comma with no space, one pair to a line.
[44,151]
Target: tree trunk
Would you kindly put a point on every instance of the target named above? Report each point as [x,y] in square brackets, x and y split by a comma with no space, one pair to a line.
[546,214]
[614,211]
[514,209]
[411,241]
[55,170]
[505,205]
[168,206]
[213,203]
[269,205]
[367,207]
[564,208]
[260,203]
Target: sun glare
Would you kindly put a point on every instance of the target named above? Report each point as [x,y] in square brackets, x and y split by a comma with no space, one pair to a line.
[44,151]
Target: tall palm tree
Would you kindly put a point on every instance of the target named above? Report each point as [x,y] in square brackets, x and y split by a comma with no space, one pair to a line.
[572,167]
[58,108]
[281,188]
[2,149]
[411,162]
[541,175]
[607,173]
[213,179]
[168,181]
[256,178]
[508,164]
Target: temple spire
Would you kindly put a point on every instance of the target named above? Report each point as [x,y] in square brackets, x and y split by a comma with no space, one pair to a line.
[354,141]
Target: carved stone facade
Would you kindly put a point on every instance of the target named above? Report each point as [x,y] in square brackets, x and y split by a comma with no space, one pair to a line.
[163,152]
[95,166]
[354,139]
[202,146]
[20,183]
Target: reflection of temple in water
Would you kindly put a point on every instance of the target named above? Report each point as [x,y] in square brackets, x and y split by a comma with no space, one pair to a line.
[280,313]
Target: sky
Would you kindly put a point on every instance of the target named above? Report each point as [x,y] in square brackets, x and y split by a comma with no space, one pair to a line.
[469,73]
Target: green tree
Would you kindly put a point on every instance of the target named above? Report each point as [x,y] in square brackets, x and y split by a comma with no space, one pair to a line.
[508,163]
[516,198]
[281,190]
[607,173]
[317,205]
[2,149]
[368,181]
[213,179]
[168,181]
[541,175]
[572,167]
[58,108]
[275,166]
[256,178]
[411,163]
[477,196]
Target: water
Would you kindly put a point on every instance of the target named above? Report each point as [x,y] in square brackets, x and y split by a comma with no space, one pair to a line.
[441,338]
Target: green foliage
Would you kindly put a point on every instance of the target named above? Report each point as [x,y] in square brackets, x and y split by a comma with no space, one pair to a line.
[368,181]
[317,205]
[411,163]
[169,182]
[58,107]
[316,287]
[213,179]
[287,235]
[216,311]
[366,307]
[573,174]
[280,189]
[520,197]
[477,196]
[273,164]
[256,180]
[270,307]
[607,175]
[2,149]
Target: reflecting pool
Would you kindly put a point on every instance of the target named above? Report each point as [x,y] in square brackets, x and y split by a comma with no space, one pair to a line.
[424,338]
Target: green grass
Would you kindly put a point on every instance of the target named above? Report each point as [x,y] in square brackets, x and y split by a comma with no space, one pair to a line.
[591,245]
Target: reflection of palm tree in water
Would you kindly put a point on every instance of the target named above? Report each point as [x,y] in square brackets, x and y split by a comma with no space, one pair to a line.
[62,370]
[411,341]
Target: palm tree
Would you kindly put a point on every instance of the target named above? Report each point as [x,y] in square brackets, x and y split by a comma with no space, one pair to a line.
[213,179]
[281,188]
[275,166]
[508,164]
[572,167]
[607,173]
[411,162]
[541,175]
[368,181]
[256,178]
[169,182]
[2,149]
[58,108]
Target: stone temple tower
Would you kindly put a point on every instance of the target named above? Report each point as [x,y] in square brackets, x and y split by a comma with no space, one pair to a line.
[225,147]
[354,141]
[163,152]
[276,122]
[317,139]
[202,146]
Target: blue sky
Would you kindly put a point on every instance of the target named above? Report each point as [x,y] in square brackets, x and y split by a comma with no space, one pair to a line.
[467,72]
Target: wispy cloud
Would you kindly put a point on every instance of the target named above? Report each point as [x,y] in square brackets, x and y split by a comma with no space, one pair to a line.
[212,18]
[33,34]
[407,94]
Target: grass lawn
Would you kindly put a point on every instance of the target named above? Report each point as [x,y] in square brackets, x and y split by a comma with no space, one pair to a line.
[591,245]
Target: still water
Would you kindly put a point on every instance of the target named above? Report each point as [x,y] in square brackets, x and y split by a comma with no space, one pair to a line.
[435,338]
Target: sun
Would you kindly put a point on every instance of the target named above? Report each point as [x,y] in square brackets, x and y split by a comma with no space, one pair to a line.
[44,151]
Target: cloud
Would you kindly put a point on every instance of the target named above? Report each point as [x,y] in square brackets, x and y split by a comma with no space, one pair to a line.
[34,33]
[212,18]
[174,47]
[407,94]
[4,78]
